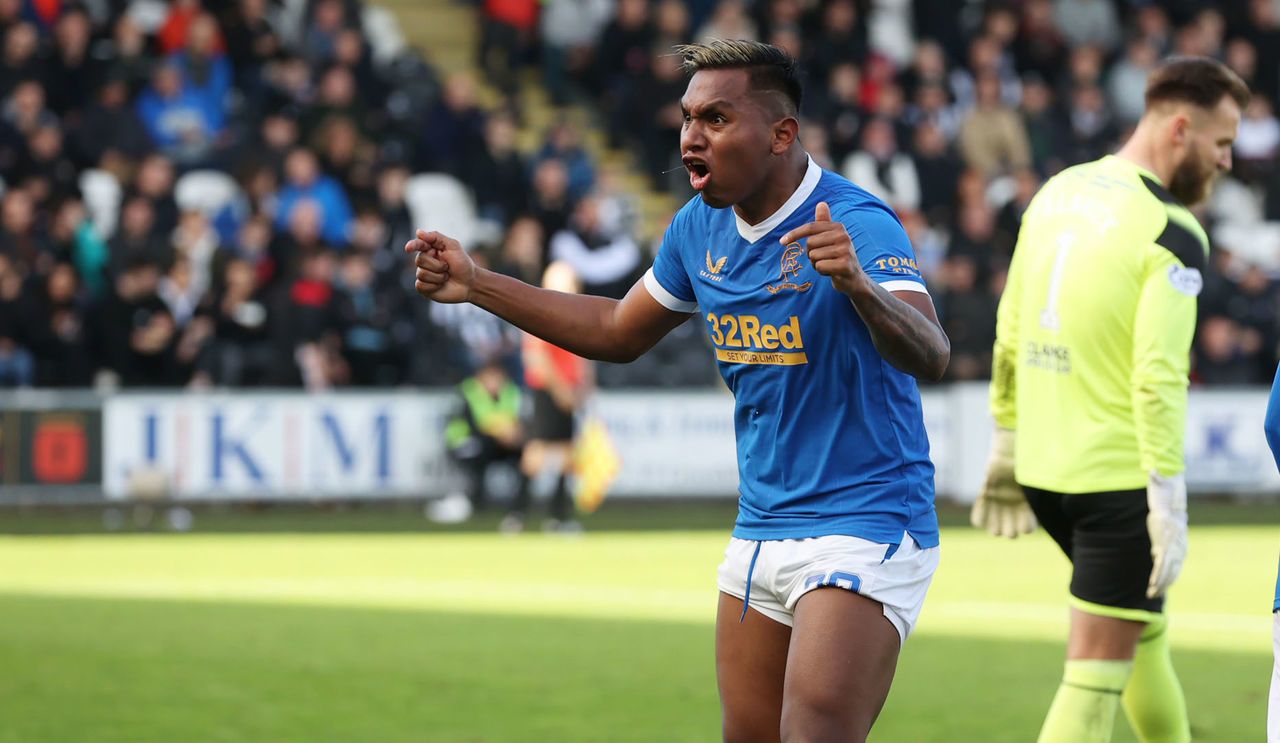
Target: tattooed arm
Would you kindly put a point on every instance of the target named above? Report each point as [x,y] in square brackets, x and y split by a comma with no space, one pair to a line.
[903,324]
[904,327]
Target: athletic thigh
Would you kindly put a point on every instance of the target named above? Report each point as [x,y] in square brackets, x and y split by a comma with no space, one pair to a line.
[843,654]
[1096,637]
[751,663]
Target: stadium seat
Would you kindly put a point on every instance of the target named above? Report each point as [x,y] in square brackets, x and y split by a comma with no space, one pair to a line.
[149,15]
[216,195]
[382,30]
[208,191]
[1251,243]
[1234,202]
[291,20]
[102,197]
[440,202]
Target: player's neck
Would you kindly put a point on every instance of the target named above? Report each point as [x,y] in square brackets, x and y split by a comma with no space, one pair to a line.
[1141,151]
[788,172]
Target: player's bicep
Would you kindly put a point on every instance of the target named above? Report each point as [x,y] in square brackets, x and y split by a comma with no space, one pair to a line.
[640,319]
[921,302]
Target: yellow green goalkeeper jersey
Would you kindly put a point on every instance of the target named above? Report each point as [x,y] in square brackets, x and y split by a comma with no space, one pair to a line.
[1094,330]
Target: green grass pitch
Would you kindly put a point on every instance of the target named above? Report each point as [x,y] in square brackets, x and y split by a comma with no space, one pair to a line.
[471,638]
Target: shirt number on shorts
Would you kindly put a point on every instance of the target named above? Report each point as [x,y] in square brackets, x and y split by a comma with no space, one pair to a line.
[836,578]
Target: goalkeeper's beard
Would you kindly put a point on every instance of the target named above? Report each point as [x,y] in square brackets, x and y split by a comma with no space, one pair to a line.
[1193,179]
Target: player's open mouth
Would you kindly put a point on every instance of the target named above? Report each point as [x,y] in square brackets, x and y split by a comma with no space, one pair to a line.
[699,174]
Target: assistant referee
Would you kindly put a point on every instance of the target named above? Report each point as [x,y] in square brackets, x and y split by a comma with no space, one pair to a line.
[1089,393]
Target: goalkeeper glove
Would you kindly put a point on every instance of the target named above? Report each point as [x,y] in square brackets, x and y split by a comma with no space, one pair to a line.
[1167,525]
[1002,507]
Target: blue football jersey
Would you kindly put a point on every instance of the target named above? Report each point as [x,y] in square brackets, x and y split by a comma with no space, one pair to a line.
[830,436]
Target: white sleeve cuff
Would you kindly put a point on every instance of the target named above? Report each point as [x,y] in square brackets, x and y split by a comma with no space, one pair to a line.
[664,297]
[904,285]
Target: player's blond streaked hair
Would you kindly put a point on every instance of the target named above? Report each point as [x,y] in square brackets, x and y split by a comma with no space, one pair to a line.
[771,69]
[721,53]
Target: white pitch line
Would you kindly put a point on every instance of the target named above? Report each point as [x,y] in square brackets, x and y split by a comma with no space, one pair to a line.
[996,619]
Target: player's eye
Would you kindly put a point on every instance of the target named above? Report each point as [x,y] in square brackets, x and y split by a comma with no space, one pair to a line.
[718,119]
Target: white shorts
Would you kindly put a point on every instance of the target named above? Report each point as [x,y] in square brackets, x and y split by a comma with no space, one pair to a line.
[1273,708]
[787,569]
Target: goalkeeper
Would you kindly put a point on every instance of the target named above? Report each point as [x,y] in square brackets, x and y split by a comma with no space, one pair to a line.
[1089,394]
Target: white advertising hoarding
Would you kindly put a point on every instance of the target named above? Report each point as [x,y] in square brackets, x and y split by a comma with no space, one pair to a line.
[1225,446]
[672,444]
[276,445]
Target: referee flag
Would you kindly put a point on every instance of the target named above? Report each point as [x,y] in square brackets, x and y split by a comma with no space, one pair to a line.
[595,462]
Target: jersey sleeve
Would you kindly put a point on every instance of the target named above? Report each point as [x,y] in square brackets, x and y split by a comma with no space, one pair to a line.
[1004,355]
[1163,327]
[883,248]
[667,280]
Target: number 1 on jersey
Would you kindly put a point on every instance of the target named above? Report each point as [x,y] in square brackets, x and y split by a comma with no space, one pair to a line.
[1049,315]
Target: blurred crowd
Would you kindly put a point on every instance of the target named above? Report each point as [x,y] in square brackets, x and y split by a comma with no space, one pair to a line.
[216,192]
[954,112]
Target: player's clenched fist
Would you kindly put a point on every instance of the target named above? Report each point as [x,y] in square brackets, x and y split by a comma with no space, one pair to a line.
[444,271]
[831,251]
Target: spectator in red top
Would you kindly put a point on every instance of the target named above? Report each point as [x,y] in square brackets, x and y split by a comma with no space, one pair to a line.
[559,383]
[172,36]
[46,12]
[308,324]
[507,36]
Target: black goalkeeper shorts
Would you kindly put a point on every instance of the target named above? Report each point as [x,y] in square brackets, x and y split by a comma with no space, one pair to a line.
[1105,537]
[549,421]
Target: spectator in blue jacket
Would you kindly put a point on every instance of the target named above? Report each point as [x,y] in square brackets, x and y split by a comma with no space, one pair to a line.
[206,71]
[181,122]
[304,181]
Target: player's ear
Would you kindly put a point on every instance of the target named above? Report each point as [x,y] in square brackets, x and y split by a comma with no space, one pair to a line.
[1180,128]
[785,133]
